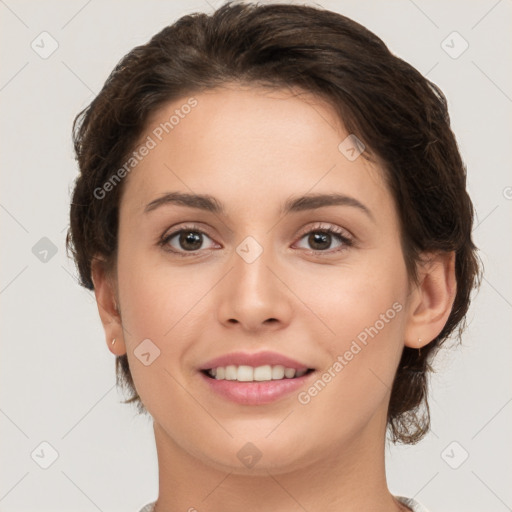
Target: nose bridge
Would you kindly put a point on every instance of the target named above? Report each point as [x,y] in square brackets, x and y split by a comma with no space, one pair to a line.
[253,295]
[252,279]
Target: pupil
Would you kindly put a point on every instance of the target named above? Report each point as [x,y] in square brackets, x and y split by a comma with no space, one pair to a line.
[319,238]
[192,238]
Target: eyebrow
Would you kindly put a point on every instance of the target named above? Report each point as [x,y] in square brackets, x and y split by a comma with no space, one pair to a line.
[293,204]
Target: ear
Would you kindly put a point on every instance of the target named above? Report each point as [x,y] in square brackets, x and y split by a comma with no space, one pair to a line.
[432,299]
[108,307]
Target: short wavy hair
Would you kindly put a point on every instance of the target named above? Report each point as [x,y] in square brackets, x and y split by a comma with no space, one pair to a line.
[400,115]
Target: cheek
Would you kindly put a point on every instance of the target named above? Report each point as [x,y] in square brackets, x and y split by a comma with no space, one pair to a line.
[359,315]
[160,304]
[347,300]
[157,300]
[365,313]
[167,304]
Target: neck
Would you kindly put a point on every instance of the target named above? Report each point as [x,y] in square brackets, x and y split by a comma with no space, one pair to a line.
[349,478]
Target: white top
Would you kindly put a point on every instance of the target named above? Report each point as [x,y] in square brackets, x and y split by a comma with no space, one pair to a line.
[412,504]
[409,502]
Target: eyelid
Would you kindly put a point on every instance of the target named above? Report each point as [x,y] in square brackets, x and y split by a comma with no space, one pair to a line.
[326,226]
[185,226]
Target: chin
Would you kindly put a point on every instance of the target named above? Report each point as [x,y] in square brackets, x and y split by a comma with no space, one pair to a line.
[257,457]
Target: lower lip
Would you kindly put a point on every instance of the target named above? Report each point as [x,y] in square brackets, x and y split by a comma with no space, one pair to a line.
[255,393]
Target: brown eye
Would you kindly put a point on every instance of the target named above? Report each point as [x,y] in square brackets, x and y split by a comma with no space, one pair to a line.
[190,240]
[321,239]
[185,240]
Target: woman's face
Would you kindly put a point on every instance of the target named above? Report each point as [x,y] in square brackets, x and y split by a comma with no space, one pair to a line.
[259,275]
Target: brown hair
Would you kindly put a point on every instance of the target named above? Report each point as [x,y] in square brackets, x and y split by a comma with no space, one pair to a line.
[401,116]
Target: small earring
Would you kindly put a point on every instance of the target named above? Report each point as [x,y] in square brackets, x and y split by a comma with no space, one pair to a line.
[113,341]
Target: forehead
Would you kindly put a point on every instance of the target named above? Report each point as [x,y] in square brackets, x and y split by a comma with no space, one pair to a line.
[254,140]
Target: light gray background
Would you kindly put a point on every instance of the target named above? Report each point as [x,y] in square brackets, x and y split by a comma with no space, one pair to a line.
[57,376]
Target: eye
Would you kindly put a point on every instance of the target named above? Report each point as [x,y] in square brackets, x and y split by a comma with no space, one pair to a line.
[320,238]
[186,239]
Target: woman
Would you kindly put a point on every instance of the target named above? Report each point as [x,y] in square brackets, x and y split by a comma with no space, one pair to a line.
[272,213]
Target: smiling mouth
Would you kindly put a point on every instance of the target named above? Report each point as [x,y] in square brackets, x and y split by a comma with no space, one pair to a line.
[245,373]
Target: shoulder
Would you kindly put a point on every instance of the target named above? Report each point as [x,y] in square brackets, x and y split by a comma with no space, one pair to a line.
[408,502]
[148,507]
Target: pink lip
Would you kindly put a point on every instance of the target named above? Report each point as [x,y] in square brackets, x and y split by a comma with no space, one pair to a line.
[256,359]
[255,393]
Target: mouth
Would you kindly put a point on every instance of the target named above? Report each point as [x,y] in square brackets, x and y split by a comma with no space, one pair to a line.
[255,386]
[246,373]
[254,378]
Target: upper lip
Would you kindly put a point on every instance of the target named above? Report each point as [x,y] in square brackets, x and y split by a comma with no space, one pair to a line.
[255,360]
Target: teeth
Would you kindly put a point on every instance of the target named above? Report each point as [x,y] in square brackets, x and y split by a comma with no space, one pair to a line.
[231,372]
[277,372]
[289,373]
[244,373]
[263,373]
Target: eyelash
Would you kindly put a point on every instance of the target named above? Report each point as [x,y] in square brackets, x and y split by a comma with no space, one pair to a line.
[335,231]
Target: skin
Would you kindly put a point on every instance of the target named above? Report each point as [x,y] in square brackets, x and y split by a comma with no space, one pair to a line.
[252,148]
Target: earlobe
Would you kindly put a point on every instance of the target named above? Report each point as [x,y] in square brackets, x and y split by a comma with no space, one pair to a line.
[108,308]
[432,299]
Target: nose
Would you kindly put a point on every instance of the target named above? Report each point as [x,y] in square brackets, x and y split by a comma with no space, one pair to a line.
[254,296]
